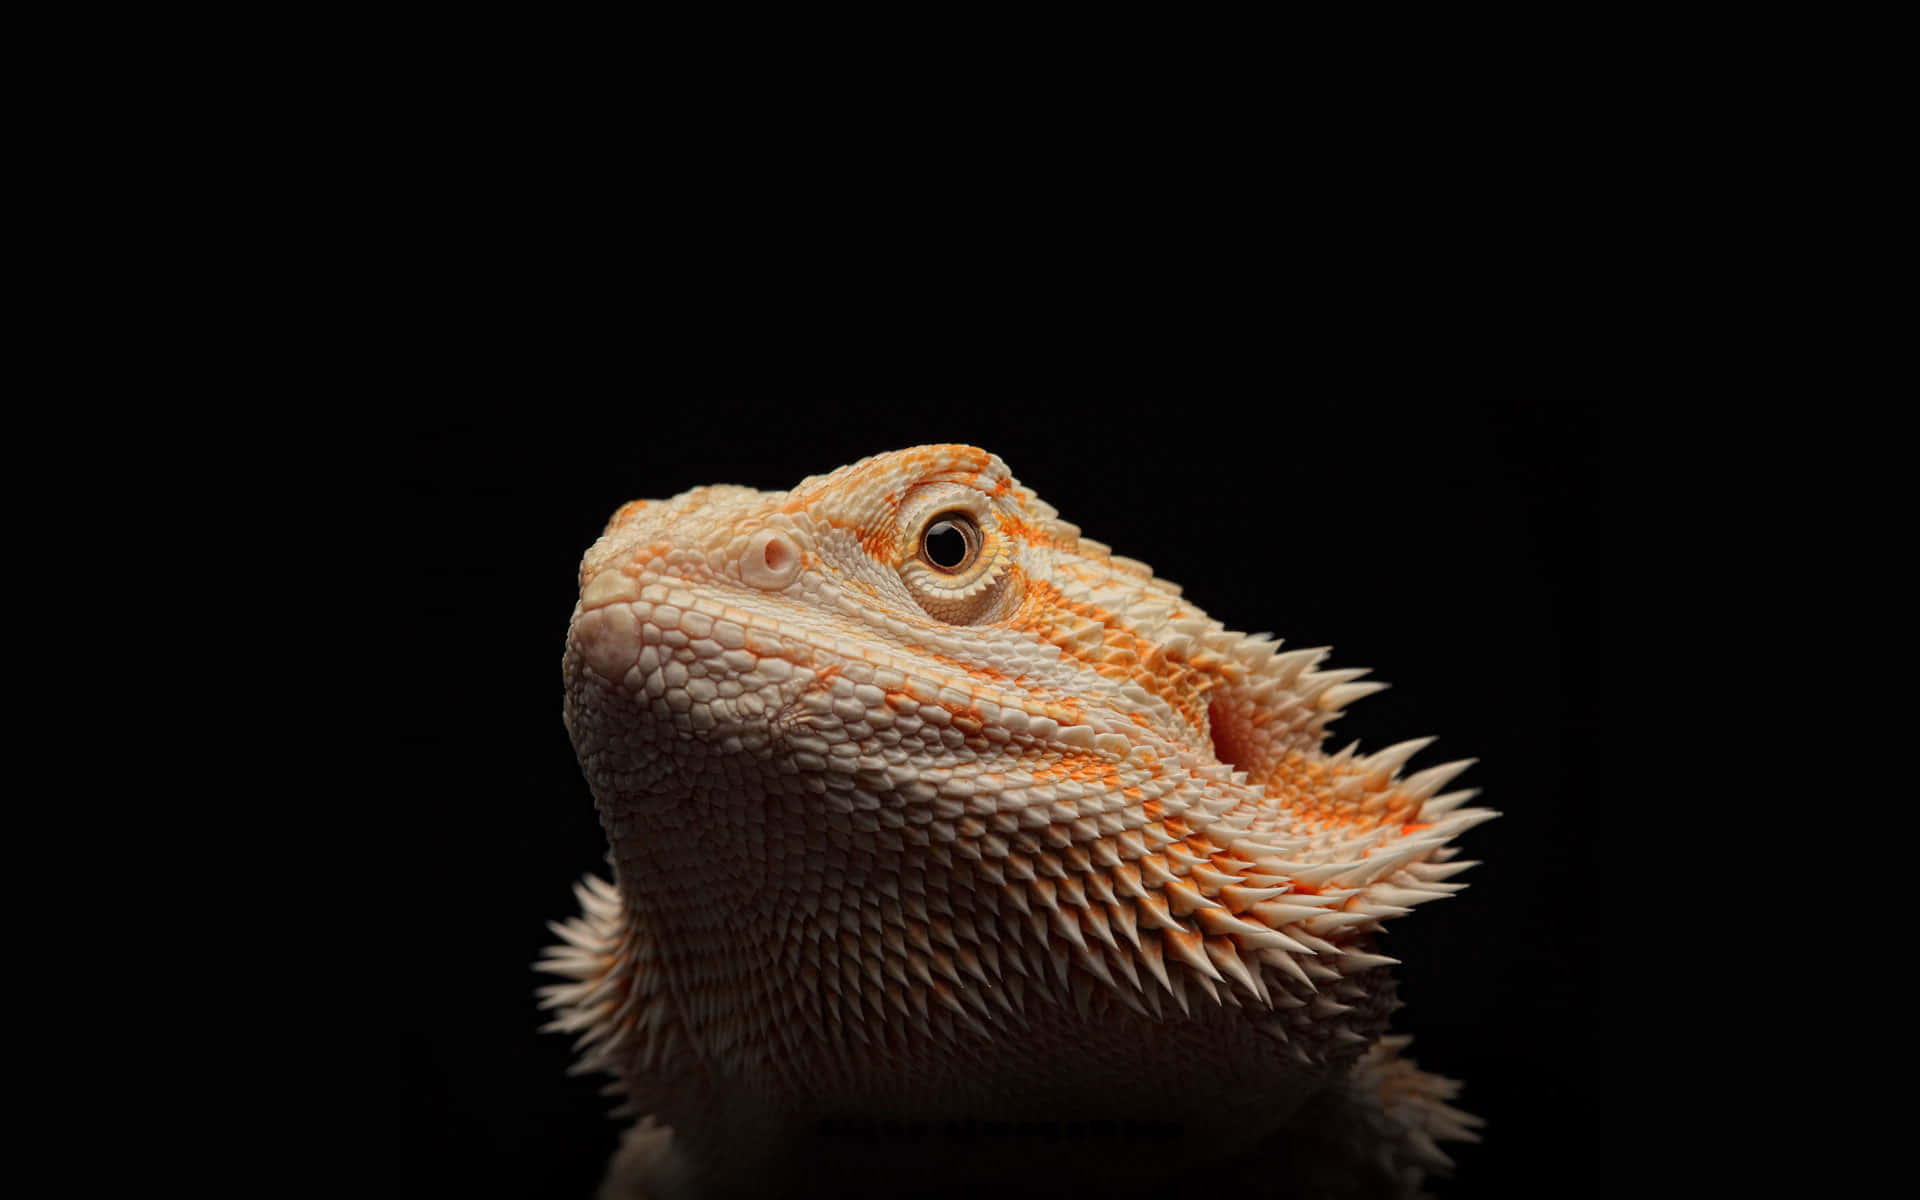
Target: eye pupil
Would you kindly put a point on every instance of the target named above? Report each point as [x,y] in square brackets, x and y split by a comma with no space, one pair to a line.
[947,545]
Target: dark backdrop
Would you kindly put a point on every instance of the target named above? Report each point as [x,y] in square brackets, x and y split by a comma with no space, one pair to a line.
[1426,503]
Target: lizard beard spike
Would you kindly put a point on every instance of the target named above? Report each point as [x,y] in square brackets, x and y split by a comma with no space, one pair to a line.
[922,804]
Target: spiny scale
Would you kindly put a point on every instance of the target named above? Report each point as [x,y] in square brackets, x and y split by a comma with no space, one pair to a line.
[889,831]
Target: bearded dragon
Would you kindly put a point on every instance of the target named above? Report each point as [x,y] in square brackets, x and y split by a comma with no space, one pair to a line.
[955,853]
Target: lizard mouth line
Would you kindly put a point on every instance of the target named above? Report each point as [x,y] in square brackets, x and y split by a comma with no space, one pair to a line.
[617,627]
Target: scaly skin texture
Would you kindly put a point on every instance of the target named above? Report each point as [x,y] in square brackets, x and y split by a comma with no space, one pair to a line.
[953,852]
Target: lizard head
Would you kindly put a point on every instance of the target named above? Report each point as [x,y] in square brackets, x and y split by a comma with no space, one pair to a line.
[901,748]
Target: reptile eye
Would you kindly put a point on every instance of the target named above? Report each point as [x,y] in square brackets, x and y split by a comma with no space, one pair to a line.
[951,543]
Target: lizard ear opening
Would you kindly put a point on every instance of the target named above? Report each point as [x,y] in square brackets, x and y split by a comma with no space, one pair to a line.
[1230,729]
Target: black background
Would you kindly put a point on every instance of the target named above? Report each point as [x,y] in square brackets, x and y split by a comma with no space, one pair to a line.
[1434,531]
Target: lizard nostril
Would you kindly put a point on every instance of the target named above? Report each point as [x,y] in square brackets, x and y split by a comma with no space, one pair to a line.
[771,559]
